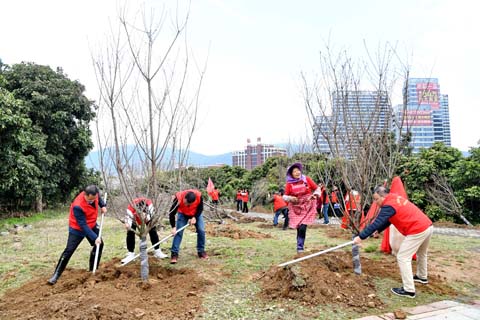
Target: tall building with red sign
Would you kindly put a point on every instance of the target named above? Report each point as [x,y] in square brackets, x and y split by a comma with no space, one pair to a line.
[426,115]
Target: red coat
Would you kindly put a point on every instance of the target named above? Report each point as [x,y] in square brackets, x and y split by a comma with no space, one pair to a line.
[214,195]
[91,212]
[278,202]
[188,210]
[245,196]
[408,218]
[300,188]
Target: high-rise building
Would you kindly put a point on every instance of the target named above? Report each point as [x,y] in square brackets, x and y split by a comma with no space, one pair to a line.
[426,115]
[355,115]
[255,155]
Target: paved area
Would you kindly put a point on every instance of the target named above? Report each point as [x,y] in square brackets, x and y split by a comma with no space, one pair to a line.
[473,233]
[445,309]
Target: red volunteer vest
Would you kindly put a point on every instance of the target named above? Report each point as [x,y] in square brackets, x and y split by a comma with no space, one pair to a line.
[136,201]
[278,202]
[90,212]
[188,210]
[214,195]
[408,218]
[300,188]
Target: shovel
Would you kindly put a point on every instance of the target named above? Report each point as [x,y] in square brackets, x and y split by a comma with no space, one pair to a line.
[100,235]
[315,254]
[149,248]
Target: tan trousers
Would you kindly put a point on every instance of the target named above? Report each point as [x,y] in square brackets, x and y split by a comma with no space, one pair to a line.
[417,243]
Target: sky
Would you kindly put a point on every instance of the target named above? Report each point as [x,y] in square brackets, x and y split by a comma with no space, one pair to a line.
[257,49]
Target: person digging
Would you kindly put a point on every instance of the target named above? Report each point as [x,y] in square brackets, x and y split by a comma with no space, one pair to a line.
[82,222]
[189,205]
[414,225]
[134,219]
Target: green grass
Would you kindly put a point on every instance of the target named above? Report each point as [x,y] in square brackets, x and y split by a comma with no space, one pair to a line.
[234,265]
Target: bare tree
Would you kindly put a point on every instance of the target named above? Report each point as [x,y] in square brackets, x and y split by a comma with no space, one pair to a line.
[147,111]
[441,193]
[350,110]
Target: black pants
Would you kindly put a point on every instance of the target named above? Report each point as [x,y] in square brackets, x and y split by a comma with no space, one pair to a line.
[239,205]
[74,241]
[245,207]
[131,238]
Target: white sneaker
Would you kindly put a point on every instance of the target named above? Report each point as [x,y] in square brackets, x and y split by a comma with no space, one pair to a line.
[159,254]
[128,257]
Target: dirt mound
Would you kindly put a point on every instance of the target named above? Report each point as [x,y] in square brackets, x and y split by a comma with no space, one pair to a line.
[338,233]
[329,279]
[250,220]
[112,293]
[270,225]
[232,231]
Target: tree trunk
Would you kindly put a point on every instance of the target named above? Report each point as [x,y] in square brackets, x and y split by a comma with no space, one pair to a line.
[143,258]
[357,266]
[38,202]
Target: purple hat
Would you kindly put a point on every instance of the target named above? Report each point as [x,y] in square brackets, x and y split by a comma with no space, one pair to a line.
[293,166]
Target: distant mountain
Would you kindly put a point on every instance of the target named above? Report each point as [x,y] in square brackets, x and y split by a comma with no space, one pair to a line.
[194,158]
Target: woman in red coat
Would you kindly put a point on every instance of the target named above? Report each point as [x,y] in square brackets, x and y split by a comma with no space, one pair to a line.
[301,194]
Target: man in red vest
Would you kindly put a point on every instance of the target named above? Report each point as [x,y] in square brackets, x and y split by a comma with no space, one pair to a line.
[280,207]
[215,196]
[142,210]
[82,223]
[414,225]
[189,205]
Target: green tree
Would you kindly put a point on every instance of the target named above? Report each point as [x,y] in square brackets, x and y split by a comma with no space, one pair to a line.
[22,154]
[60,112]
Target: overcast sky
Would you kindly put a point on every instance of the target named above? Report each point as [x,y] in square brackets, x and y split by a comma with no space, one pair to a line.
[257,49]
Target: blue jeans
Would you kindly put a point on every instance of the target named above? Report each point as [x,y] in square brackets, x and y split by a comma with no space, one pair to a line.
[278,213]
[182,220]
[325,213]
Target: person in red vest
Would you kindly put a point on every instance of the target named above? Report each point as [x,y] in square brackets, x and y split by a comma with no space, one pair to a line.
[82,222]
[301,194]
[215,196]
[335,197]
[352,203]
[239,200]
[245,201]
[325,204]
[189,205]
[414,225]
[134,219]
[280,207]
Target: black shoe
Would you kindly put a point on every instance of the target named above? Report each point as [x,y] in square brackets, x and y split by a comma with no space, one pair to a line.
[420,280]
[401,292]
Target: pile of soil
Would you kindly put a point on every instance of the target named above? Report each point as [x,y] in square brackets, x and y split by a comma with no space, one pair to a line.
[270,225]
[232,231]
[329,279]
[338,233]
[250,220]
[114,292]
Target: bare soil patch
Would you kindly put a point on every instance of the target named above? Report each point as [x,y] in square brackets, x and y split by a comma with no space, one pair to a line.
[112,293]
[232,231]
[339,233]
[329,279]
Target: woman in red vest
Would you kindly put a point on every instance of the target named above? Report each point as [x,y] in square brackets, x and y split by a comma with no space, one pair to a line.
[189,205]
[301,194]
[414,225]
[140,212]
[82,223]
[245,201]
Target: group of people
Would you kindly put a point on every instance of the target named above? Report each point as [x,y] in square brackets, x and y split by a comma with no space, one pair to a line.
[187,208]
[302,194]
[241,200]
[298,204]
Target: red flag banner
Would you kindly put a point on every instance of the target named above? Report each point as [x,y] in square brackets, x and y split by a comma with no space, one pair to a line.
[210,186]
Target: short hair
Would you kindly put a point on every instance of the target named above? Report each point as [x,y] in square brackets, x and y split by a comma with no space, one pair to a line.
[190,197]
[381,191]
[91,190]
